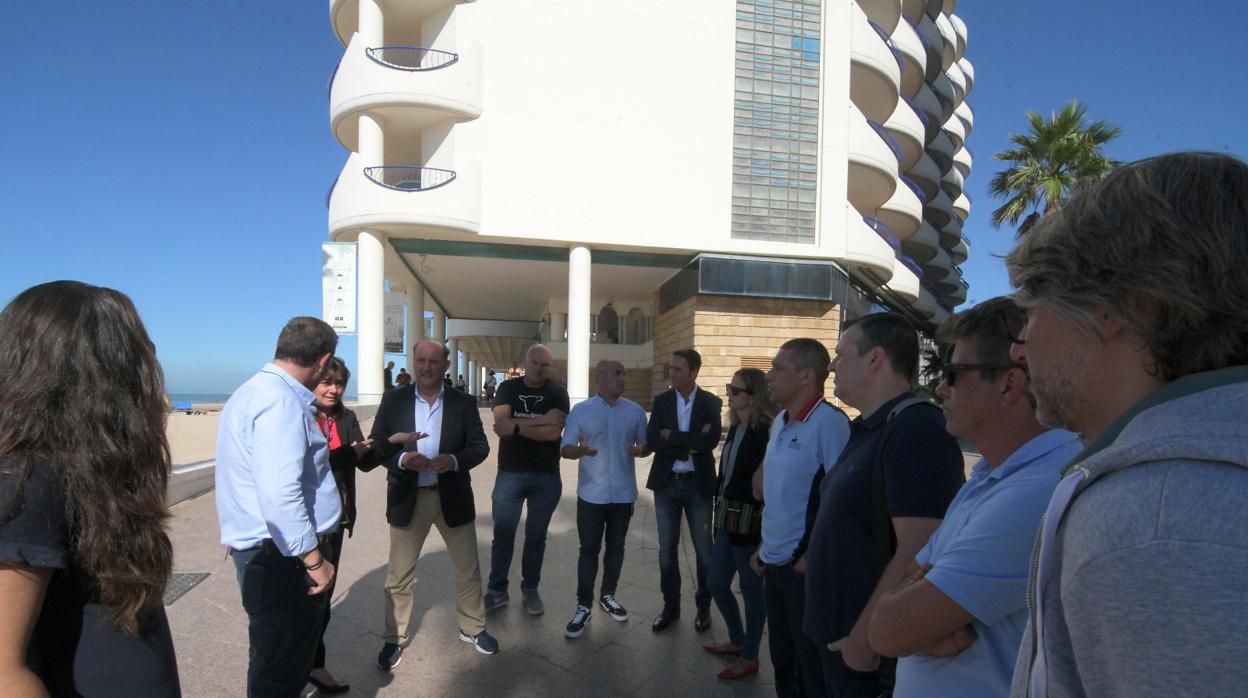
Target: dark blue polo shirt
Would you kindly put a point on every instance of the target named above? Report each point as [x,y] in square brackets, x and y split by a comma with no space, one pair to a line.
[923,471]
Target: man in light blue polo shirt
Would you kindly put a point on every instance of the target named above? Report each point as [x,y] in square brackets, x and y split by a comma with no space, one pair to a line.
[606,432]
[958,620]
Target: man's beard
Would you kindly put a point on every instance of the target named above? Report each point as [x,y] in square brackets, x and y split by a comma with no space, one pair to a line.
[1055,396]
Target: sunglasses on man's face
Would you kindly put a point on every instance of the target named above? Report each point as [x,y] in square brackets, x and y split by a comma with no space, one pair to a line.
[735,391]
[952,370]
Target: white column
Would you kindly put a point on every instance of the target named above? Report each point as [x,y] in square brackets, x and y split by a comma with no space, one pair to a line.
[439,323]
[578,324]
[453,345]
[371,23]
[470,376]
[371,317]
[558,323]
[415,322]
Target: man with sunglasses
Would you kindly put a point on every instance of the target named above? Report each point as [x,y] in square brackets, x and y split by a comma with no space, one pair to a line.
[958,618]
[892,482]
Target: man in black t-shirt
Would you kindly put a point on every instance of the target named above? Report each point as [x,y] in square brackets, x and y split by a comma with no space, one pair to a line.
[528,418]
[876,360]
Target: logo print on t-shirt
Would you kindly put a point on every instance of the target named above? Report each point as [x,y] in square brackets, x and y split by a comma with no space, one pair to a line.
[529,407]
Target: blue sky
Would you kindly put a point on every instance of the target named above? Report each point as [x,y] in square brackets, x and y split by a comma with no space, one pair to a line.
[181,152]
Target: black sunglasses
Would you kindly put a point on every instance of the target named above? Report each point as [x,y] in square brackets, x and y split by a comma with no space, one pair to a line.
[951,371]
[735,391]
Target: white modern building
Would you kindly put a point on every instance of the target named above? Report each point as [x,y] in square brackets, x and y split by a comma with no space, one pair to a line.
[622,179]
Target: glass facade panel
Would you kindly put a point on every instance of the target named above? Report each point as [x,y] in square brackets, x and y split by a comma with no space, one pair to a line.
[776,120]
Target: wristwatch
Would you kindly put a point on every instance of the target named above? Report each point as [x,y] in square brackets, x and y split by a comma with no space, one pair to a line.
[515,429]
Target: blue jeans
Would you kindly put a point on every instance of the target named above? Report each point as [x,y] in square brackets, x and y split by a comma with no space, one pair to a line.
[542,490]
[284,622]
[592,522]
[683,495]
[728,560]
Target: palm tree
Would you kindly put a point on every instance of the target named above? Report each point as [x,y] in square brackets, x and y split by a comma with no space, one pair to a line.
[1058,157]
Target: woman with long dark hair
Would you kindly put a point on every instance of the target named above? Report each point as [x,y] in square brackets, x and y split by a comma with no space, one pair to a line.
[84,465]
[738,516]
[347,450]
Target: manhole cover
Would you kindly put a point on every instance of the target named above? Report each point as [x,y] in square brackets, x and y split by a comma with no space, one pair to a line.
[180,583]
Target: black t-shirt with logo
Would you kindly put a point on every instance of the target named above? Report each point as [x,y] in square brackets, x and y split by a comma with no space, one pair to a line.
[524,455]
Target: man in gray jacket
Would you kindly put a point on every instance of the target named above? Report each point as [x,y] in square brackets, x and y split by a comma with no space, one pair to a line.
[1137,338]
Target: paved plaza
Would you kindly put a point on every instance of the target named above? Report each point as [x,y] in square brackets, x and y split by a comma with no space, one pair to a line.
[610,659]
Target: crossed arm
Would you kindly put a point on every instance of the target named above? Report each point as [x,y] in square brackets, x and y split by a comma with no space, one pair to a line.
[547,427]
[918,618]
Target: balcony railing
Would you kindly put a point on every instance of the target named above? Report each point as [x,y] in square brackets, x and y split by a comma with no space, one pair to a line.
[330,194]
[409,177]
[908,262]
[411,58]
[886,233]
[914,187]
[923,118]
[892,45]
[940,300]
[887,137]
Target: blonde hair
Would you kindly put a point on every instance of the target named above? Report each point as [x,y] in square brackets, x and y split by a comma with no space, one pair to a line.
[762,409]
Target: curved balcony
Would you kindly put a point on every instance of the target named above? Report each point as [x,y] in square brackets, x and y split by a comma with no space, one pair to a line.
[938,268]
[931,111]
[951,233]
[408,87]
[947,286]
[926,303]
[922,245]
[934,8]
[872,163]
[949,51]
[930,36]
[908,131]
[345,14]
[959,252]
[902,213]
[943,87]
[959,84]
[955,132]
[865,253]
[875,70]
[886,13]
[962,206]
[905,281]
[969,71]
[952,183]
[417,197]
[966,116]
[884,232]
[939,210]
[927,175]
[958,295]
[962,160]
[959,28]
[913,10]
[906,39]
[941,149]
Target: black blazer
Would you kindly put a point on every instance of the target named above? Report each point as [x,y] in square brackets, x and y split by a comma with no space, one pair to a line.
[462,436]
[749,458]
[682,444]
[343,462]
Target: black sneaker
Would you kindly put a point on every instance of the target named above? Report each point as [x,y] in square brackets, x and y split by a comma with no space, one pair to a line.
[577,625]
[496,599]
[483,641]
[391,655]
[613,608]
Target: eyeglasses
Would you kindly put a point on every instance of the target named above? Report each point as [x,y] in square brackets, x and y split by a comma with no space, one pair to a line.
[951,371]
[735,391]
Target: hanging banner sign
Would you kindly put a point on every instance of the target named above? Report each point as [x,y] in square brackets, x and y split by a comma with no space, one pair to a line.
[338,266]
[393,327]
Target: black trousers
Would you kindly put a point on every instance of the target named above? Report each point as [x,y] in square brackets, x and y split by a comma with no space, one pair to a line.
[843,682]
[335,554]
[794,656]
[592,521]
[284,622]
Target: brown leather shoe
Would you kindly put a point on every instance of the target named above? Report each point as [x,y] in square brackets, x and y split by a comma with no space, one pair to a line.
[739,669]
[723,648]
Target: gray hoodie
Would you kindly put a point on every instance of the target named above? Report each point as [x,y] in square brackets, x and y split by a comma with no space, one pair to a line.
[1140,576]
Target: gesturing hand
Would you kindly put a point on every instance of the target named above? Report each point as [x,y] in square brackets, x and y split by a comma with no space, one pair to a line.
[361,447]
[442,463]
[400,438]
[584,449]
[414,460]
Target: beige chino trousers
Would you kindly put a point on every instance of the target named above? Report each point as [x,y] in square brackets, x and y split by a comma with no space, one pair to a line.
[406,543]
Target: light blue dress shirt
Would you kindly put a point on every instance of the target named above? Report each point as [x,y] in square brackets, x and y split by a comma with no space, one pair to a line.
[272,474]
[610,476]
[980,556]
[684,413]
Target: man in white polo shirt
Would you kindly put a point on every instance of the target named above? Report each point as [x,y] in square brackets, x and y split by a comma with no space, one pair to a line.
[806,439]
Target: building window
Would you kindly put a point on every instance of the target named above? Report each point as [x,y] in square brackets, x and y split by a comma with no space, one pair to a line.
[776,120]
